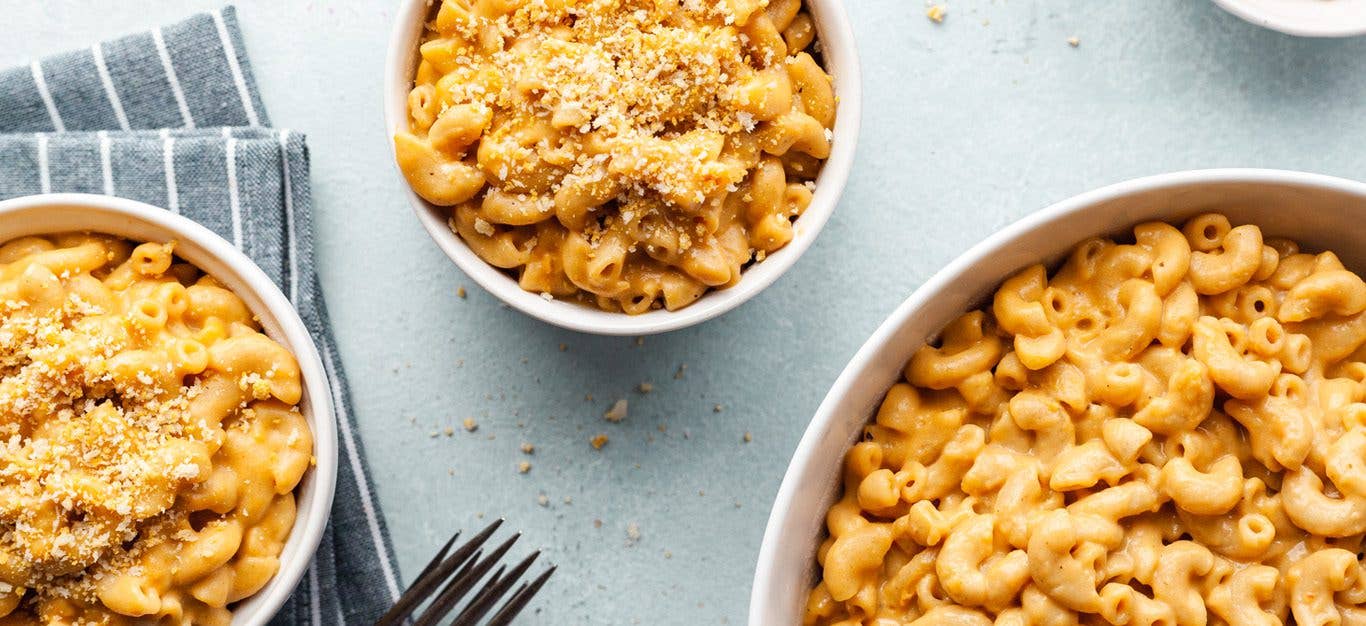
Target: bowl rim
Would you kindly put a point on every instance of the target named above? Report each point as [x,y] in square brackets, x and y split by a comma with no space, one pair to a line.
[836,35]
[312,516]
[1303,26]
[826,416]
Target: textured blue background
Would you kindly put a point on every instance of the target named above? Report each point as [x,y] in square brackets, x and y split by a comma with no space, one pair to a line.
[968,125]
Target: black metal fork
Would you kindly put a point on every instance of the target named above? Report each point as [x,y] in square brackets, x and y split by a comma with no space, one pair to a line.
[438,591]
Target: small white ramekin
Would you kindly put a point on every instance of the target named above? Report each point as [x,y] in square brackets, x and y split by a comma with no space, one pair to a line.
[56,213]
[1306,18]
[1320,212]
[836,39]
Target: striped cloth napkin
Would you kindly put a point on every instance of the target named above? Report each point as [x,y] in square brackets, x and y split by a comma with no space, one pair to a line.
[172,118]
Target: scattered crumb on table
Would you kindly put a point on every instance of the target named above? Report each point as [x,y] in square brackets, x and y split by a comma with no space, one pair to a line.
[632,533]
[645,387]
[461,292]
[599,440]
[617,412]
[527,448]
[597,523]
[748,437]
[936,13]
[1074,41]
[523,467]
[471,425]
[543,500]
[718,408]
[450,431]
[682,369]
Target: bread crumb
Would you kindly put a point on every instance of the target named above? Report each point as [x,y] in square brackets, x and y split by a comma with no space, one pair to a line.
[617,412]
[564,347]
[527,448]
[449,431]
[599,440]
[668,554]
[682,369]
[471,425]
[435,434]
[543,500]
[645,387]
[718,408]
[569,499]
[748,437]
[597,523]
[936,13]
[1074,41]
[461,292]
[523,467]
[640,341]
[632,533]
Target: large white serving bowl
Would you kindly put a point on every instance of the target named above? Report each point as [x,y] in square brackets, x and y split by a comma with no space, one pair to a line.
[57,213]
[1320,212]
[1306,18]
[836,39]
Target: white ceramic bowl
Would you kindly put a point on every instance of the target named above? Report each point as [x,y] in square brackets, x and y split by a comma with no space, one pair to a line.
[1320,212]
[55,213]
[841,60]
[1306,18]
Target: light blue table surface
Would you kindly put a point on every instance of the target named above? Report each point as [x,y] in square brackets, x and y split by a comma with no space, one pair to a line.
[968,125]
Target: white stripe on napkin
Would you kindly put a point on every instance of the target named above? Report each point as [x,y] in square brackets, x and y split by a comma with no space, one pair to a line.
[171,78]
[237,77]
[106,163]
[41,84]
[113,94]
[352,455]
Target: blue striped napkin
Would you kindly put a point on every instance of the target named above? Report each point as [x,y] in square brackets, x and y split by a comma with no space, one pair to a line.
[172,117]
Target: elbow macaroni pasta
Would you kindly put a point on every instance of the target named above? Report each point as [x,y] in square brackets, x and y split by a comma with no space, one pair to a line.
[150,441]
[629,154]
[1169,432]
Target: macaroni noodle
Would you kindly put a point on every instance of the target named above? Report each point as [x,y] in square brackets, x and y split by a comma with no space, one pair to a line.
[1170,431]
[151,439]
[631,154]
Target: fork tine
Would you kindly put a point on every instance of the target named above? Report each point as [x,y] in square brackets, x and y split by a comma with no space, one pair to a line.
[436,560]
[501,585]
[492,592]
[519,600]
[461,585]
[493,581]
[432,575]
[451,592]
